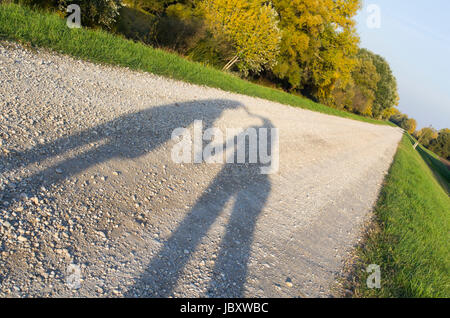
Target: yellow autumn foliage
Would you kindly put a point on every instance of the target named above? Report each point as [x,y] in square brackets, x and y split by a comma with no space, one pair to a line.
[250,26]
[319,44]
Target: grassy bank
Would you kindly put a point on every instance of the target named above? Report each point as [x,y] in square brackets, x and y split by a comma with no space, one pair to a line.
[440,170]
[48,30]
[411,238]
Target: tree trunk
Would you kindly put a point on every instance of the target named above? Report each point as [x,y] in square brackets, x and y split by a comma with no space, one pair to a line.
[230,63]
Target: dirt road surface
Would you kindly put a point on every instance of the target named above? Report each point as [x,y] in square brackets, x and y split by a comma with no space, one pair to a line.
[91,203]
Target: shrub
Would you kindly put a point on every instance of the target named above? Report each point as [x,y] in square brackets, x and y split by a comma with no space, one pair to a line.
[102,13]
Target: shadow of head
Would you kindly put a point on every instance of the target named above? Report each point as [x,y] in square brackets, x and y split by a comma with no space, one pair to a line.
[134,134]
[129,135]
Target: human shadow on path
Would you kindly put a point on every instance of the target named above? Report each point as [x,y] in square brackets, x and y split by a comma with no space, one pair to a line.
[133,135]
[250,189]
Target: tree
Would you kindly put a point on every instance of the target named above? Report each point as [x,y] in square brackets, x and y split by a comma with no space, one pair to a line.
[319,44]
[359,94]
[402,120]
[365,79]
[389,112]
[425,136]
[251,29]
[386,94]
[441,145]
[150,6]
[398,118]
[49,4]
[410,125]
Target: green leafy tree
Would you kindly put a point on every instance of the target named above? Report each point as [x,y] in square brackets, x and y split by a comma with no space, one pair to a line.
[388,113]
[359,94]
[441,145]
[398,118]
[410,125]
[402,120]
[425,136]
[365,79]
[49,4]
[386,95]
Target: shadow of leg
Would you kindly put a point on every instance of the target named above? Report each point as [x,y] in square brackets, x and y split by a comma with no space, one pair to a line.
[163,272]
[230,271]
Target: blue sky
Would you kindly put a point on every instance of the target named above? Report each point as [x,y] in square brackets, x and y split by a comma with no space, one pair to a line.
[414,37]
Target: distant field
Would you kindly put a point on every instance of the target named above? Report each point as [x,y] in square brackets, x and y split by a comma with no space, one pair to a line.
[411,243]
[48,30]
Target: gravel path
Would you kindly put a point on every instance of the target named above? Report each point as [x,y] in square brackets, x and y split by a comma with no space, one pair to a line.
[86,179]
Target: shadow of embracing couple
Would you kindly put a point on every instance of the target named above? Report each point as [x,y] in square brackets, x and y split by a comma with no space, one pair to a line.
[133,135]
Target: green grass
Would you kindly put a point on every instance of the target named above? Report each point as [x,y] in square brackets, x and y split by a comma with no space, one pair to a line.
[48,30]
[411,239]
[440,170]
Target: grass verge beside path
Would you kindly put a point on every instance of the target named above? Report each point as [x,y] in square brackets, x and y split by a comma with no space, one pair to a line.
[412,235]
[48,30]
